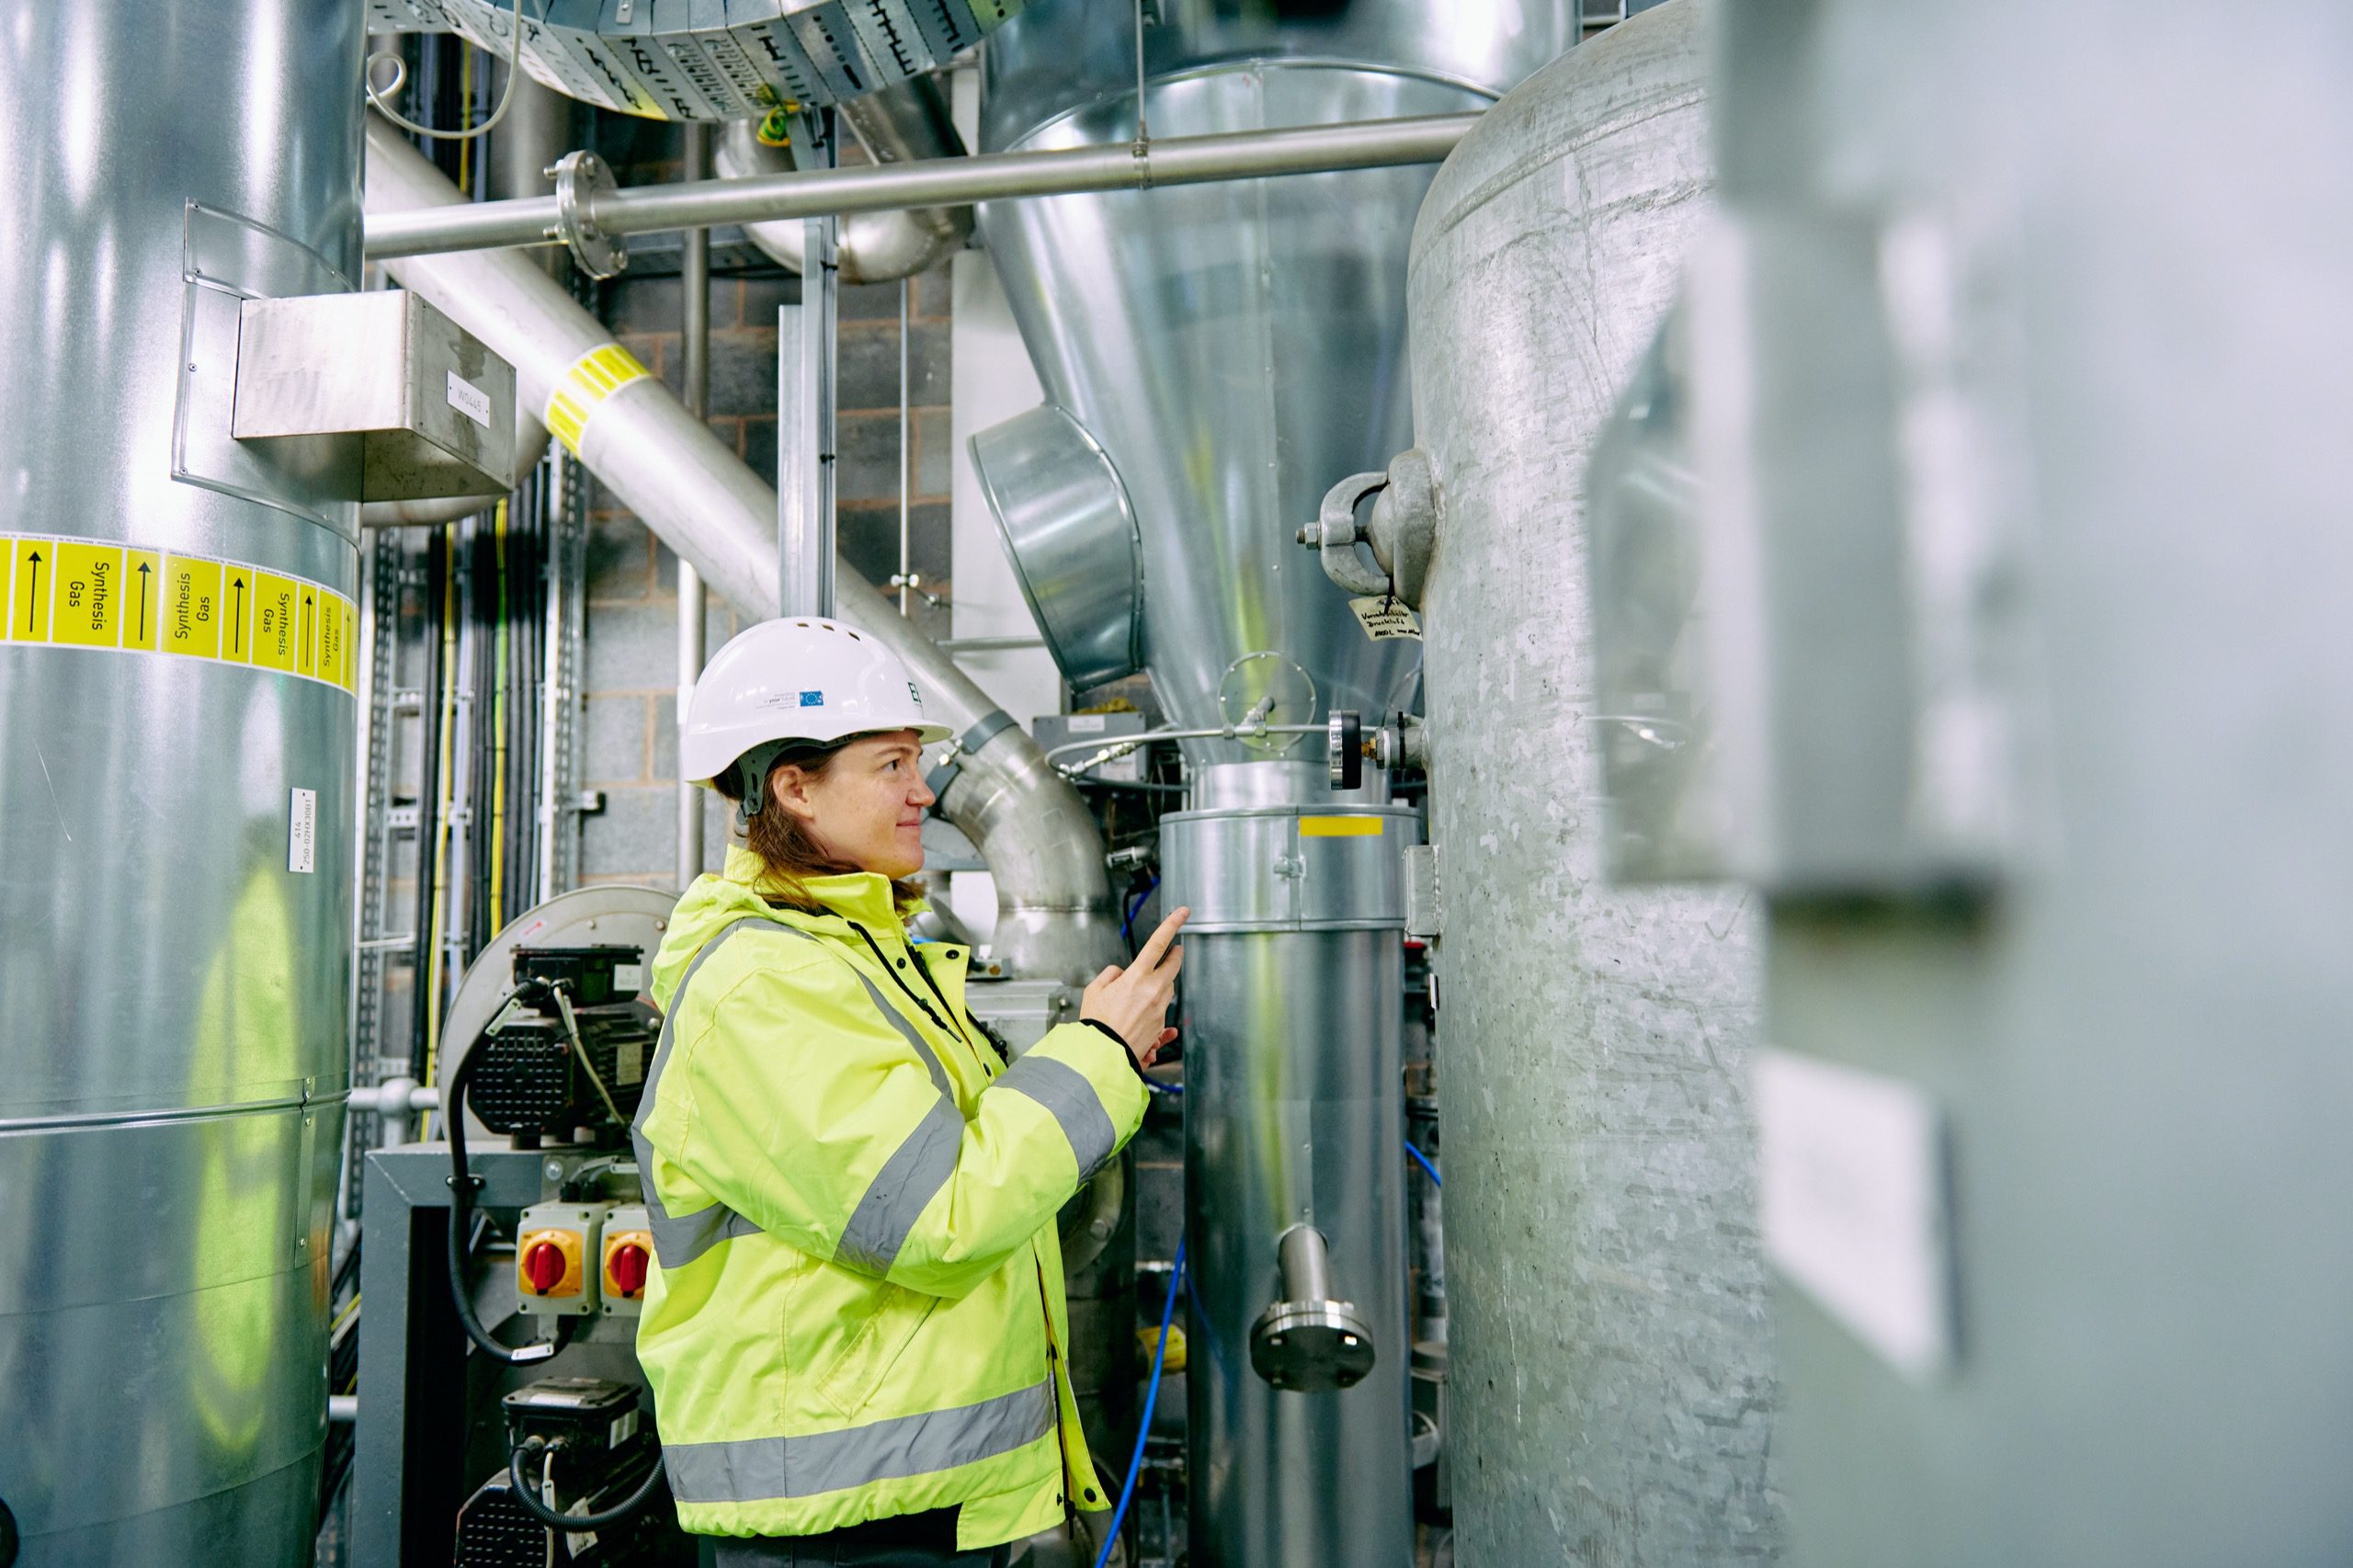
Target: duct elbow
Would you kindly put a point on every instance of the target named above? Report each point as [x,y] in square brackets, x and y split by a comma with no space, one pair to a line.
[900,124]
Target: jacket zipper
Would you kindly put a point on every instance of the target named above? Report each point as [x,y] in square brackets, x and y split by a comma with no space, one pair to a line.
[922,1005]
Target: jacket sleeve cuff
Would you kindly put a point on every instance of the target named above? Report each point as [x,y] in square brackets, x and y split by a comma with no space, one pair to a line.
[1125,1054]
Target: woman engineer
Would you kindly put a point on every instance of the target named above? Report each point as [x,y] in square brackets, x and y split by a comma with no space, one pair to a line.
[855,1327]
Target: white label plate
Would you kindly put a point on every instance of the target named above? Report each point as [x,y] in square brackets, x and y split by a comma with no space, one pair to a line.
[469,399]
[302,831]
[1385,619]
[1853,1203]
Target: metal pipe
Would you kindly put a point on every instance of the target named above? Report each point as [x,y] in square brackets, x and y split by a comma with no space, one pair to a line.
[694,338]
[934,182]
[906,578]
[898,125]
[1055,916]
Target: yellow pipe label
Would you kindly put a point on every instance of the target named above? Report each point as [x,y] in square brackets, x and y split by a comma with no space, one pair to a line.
[1339,827]
[594,376]
[79,594]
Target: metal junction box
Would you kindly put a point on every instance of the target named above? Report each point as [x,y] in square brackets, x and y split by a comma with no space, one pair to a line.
[433,408]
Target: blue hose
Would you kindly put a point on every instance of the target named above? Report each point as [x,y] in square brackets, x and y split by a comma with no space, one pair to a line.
[1135,908]
[1151,1398]
[1423,1161]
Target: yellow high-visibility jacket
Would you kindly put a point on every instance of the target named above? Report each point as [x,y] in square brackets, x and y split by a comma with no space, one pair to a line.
[857,1305]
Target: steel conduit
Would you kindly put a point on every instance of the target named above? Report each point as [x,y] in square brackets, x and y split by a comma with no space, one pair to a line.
[930,182]
[1054,896]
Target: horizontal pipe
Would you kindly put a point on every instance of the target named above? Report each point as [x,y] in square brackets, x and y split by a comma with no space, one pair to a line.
[932,182]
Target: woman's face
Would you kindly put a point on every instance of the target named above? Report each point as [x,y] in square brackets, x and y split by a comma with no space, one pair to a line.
[866,809]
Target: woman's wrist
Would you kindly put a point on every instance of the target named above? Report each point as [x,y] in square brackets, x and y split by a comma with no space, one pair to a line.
[1121,1041]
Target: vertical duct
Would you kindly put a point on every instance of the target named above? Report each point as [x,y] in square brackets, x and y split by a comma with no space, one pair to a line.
[176,791]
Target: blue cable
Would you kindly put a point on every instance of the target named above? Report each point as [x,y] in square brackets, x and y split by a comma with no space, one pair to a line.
[1424,1160]
[1135,908]
[1160,1088]
[1151,1398]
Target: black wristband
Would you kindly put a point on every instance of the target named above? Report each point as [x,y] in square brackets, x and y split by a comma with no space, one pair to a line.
[1121,1040]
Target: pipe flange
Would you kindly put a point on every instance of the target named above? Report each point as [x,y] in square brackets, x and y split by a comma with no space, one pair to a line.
[581,177]
[1311,1347]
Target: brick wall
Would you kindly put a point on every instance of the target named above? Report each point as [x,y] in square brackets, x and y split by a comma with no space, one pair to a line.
[631,730]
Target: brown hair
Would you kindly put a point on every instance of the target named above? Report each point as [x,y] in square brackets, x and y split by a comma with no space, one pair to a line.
[789,856]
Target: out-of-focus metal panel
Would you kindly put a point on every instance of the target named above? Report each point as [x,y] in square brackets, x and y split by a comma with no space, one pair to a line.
[175,990]
[2128,354]
[1607,1312]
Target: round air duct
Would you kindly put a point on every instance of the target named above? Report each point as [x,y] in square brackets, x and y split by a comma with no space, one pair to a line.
[1071,535]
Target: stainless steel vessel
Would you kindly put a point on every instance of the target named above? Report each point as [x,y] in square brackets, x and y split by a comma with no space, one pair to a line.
[175,885]
[1607,1307]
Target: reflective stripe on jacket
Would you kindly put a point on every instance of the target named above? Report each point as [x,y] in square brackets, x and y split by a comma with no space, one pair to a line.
[857,1306]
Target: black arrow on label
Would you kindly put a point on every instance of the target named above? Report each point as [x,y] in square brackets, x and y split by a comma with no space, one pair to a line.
[237,619]
[306,629]
[143,604]
[31,589]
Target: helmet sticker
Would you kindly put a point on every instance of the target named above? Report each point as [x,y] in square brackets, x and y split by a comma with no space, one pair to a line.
[913,695]
[812,700]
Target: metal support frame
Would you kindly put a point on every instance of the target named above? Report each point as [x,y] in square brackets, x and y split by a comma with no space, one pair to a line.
[931,182]
[694,288]
[804,426]
[567,581]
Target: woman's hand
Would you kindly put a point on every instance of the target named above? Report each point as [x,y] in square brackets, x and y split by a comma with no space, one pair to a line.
[1133,1002]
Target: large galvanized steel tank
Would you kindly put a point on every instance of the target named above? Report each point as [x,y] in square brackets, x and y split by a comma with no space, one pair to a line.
[1614,1392]
[174,917]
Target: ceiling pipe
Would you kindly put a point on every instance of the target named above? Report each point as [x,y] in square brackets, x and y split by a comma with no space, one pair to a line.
[930,182]
[1055,916]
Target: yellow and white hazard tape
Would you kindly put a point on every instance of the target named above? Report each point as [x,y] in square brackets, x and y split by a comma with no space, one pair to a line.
[594,376]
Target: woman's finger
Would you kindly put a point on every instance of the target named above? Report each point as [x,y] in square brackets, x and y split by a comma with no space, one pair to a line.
[1158,943]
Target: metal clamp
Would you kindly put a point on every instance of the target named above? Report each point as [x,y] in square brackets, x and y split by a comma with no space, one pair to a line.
[580,178]
[1402,530]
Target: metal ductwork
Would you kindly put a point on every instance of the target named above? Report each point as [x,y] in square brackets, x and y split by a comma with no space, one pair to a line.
[177,783]
[1053,895]
[898,124]
[1213,357]
[664,60]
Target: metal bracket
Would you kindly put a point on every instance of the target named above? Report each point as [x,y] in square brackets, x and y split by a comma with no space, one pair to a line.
[581,177]
[1402,531]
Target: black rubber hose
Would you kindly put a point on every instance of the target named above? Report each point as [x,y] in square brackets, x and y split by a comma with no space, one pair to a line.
[461,1195]
[527,1493]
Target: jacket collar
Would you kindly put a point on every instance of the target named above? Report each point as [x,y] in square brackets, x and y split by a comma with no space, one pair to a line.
[863,897]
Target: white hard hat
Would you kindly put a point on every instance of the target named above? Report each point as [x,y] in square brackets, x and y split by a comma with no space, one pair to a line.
[804,678]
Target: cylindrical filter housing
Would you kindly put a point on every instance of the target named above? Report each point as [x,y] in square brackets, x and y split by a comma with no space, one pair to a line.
[1293,1115]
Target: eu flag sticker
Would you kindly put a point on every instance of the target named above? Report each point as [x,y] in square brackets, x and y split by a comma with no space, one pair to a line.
[812,700]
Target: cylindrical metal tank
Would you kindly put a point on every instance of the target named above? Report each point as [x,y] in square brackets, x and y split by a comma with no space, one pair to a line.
[1614,1387]
[176,780]
[1294,1115]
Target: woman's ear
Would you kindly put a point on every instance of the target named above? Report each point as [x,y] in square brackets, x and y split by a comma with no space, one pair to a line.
[789,789]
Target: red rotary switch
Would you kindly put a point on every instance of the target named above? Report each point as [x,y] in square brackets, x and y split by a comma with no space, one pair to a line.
[625,1269]
[543,1267]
